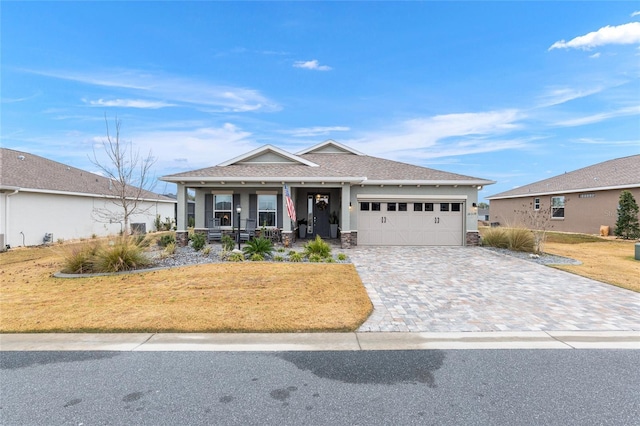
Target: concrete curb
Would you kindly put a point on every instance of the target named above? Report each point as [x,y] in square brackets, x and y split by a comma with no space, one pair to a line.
[247,342]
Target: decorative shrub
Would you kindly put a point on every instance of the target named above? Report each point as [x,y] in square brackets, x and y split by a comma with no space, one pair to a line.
[235,257]
[227,243]
[256,257]
[295,256]
[495,237]
[317,246]
[166,239]
[261,246]
[278,258]
[170,249]
[206,251]
[198,241]
[342,256]
[315,258]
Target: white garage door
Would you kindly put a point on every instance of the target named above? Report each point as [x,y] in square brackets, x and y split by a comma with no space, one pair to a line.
[410,223]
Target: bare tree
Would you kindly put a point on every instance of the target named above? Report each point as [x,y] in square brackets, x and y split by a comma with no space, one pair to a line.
[128,174]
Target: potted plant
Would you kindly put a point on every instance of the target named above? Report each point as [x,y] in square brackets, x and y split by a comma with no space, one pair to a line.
[302,228]
[333,225]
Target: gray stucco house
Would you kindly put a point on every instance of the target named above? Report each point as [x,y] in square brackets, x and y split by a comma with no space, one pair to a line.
[375,201]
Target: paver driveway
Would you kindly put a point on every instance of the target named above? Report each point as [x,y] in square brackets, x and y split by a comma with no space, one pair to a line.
[474,289]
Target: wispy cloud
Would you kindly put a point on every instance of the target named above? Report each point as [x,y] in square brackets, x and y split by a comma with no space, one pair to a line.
[447,135]
[311,65]
[595,55]
[173,89]
[16,100]
[621,34]
[314,131]
[129,103]
[557,96]
[606,142]
[596,118]
[635,13]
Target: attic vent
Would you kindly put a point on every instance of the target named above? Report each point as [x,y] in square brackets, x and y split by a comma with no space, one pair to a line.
[20,157]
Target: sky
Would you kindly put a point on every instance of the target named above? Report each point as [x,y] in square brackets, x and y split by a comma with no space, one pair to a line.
[514,92]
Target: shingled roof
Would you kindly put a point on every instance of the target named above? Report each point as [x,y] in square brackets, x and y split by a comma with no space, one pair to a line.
[28,172]
[619,173]
[330,162]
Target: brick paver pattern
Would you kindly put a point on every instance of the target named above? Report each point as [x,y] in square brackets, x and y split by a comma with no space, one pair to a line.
[442,289]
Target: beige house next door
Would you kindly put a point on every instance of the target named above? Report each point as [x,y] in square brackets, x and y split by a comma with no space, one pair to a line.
[410,223]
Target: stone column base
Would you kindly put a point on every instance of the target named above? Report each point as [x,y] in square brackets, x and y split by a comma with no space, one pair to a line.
[288,238]
[182,238]
[473,238]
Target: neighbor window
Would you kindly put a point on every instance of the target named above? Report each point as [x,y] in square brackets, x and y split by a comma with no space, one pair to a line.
[267,210]
[557,207]
[536,204]
[222,209]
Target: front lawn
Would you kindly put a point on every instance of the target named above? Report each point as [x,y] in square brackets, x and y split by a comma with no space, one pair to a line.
[217,297]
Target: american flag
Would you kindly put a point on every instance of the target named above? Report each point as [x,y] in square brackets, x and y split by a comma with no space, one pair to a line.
[290,208]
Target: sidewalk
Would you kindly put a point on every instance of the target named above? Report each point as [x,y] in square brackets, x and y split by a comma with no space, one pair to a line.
[247,342]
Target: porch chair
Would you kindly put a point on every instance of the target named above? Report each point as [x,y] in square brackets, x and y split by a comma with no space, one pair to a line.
[215,232]
[249,230]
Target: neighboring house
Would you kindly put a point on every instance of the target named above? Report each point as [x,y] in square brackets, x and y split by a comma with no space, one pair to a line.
[43,201]
[376,201]
[579,201]
[483,214]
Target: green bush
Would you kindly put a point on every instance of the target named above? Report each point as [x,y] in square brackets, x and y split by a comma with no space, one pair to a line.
[295,256]
[166,239]
[256,257]
[521,239]
[342,256]
[170,249]
[123,255]
[261,246]
[495,237]
[235,257]
[318,247]
[227,243]
[278,258]
[315,258]
[198,241]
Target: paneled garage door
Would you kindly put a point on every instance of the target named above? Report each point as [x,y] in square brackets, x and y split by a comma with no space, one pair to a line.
[410,223]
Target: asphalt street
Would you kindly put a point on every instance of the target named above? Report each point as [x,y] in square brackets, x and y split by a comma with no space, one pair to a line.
[443,387]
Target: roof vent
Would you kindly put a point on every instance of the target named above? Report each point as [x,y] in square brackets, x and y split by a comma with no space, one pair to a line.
[21,157]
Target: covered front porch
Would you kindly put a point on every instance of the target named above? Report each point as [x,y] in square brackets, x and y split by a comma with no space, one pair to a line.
[320,209]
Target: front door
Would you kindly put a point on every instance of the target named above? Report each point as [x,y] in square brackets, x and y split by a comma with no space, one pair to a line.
[321,215]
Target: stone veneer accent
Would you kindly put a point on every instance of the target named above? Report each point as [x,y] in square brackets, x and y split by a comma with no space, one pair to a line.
[182,238]
[348,239]
[288,238]
[473,238]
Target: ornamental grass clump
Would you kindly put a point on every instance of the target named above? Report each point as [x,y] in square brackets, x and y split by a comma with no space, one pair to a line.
[521,239]
[495,237]
[121,255]
[80,259]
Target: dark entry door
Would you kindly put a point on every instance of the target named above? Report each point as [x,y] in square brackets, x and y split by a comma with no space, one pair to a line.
[321,215]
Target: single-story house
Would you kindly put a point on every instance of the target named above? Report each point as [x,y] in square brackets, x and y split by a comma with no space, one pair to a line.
[373,201]
[579,201]
[43,201]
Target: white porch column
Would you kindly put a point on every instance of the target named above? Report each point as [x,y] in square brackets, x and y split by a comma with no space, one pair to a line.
[345,216]
[181,219]
[286,220]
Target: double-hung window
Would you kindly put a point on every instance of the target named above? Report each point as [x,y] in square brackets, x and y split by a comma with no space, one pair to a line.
[267,210]
[222,209]
[557,207]
[536,204]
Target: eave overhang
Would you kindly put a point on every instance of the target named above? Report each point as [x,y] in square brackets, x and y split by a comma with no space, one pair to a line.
[568,191]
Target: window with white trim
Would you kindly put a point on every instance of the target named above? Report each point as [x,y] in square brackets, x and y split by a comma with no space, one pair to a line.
[536,204]
[222,204]
[267,210]
[557,207]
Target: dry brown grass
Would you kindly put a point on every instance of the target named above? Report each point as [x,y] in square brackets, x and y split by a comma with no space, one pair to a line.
[607,260]
[239,297]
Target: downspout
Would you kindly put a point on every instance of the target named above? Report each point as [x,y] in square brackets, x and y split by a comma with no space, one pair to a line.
[6,216]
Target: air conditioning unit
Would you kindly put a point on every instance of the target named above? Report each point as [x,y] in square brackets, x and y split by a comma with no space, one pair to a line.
[2,246]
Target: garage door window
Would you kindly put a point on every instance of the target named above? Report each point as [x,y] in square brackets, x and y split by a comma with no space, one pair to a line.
[375,207]
[455,207]
[402,207]
[428,207]
[417,207]
[364,207]
[444,207]
[391,207]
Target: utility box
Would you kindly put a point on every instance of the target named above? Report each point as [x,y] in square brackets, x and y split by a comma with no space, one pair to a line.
[139,228]
[637,251]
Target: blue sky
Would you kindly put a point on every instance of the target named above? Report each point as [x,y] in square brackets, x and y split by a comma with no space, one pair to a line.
[509,91]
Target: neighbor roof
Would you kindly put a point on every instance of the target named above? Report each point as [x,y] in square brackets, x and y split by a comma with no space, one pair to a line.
[329,161]
[27,172]
[619,173]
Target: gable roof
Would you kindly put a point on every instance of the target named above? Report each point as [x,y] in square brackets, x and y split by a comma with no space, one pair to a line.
[326,162]
[268,154]
[31,173]
[618,173]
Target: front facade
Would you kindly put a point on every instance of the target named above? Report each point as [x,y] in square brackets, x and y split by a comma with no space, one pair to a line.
[582,201]
[43,201]
[372,201]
